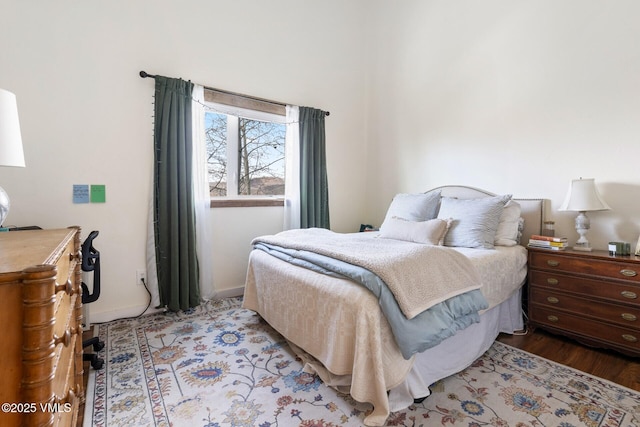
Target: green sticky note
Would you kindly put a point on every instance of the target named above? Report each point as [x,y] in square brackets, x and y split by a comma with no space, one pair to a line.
[98,194]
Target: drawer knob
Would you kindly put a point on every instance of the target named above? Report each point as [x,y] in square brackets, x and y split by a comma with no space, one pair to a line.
[553,300]
[69,398]
[552,318]
[629,337]
[628,272]
[552,263]
[629,294]
[66,287]
[630,317]
[552,281]
[65,339]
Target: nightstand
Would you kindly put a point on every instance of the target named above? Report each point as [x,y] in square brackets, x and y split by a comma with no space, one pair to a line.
[588,296]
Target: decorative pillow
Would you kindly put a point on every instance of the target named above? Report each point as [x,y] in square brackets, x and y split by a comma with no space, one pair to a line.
[474,221]
[509,225]
[430,232]
[414,207]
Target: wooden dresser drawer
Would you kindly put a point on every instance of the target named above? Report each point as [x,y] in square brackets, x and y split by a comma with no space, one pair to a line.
[627,316]
[590,331]
[610,268]
[42,313]
[627,293]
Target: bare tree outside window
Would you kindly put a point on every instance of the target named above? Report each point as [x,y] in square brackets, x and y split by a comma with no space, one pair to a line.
[216,138]
[260,156]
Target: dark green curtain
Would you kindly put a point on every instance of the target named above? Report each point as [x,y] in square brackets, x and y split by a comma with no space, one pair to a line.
[314,190]
[174,209]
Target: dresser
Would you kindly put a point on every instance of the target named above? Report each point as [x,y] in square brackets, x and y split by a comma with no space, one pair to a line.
[41,317]
[589,296]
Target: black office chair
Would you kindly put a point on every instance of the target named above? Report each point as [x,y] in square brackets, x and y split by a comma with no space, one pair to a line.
[91,262]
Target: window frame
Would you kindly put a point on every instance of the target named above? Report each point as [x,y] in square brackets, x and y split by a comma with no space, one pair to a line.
[233,113]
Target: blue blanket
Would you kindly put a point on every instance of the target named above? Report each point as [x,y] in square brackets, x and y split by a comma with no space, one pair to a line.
[424,331]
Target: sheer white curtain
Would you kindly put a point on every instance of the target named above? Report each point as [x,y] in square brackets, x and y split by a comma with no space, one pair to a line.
[292,170]
[152,272]
[204,238]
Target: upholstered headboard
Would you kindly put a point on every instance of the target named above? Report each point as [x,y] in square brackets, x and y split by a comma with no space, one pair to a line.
[532,209]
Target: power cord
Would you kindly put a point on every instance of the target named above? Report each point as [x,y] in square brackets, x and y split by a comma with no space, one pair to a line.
[525,331]
[144,283]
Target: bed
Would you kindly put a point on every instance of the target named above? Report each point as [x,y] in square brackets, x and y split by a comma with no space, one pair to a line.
[340,330]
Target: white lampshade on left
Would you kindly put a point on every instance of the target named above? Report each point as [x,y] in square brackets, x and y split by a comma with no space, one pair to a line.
[11,153]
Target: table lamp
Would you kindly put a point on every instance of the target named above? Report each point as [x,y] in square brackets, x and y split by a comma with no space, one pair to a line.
[11,153]
[583,197]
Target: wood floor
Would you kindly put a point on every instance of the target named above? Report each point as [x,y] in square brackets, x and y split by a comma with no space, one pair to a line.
[606,364]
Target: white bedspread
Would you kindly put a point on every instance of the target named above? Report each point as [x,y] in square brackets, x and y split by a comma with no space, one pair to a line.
[502,270]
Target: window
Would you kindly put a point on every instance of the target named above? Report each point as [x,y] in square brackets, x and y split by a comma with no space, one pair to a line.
[245,150]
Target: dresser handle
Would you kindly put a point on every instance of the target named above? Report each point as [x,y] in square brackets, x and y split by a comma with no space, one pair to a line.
[628,273]
[553,300]
[553,263]
[552,281]
[65,339]
[629,294]
[630,317]
[66,287]
[552,318]
[630,338]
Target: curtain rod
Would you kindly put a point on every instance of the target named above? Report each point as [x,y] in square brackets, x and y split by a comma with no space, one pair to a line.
[144,74]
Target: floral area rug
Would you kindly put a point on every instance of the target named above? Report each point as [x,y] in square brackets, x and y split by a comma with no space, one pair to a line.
[221,365]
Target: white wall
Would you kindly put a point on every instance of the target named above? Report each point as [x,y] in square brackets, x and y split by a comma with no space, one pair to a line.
[510,96]
[86,115]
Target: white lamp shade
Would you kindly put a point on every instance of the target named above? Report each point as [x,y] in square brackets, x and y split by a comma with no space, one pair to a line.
[583,196]
[11,153]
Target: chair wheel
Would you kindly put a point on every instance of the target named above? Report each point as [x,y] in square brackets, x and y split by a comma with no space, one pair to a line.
[98,346]
[97,363]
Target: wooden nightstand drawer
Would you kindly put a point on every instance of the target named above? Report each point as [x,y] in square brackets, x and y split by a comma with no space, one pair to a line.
[612,268]
[591,331]
[627,293]
[590,296]
[622,315]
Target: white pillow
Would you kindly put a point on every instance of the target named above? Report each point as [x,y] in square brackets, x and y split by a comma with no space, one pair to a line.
[414,207]
[474,221]
[507,233]
[430,232]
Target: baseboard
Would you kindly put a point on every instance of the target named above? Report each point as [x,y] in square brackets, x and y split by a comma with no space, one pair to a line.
[228,293]
[108,316]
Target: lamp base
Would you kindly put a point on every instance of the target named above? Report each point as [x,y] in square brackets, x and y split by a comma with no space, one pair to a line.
[5,204]
[582,226]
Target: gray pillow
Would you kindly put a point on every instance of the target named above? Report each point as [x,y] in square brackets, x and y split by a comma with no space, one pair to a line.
[414,207]
[474,221]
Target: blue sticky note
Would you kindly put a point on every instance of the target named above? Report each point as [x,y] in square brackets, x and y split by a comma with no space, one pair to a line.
[80,193]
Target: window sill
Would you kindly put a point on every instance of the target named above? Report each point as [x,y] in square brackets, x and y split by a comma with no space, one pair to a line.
[246,203]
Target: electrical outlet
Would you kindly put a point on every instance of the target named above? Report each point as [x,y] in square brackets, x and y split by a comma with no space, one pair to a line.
[141,277]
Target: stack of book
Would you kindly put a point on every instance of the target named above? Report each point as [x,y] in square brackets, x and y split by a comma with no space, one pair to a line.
[547,242]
